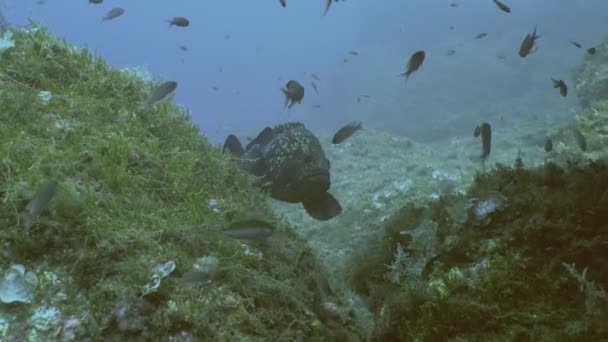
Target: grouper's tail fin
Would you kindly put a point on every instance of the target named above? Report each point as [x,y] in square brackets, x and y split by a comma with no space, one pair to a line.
[233,146]
[323,208]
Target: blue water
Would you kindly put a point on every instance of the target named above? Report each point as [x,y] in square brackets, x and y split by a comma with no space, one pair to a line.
[250,49]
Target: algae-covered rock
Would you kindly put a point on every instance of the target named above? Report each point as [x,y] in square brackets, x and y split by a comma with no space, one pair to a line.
[536,271]
[136,190]
[591,76]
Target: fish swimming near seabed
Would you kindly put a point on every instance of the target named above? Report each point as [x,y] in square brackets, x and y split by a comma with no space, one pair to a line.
[160,92]
[485,130]
[345,132]
[249,230]
[39,203]
[290,162]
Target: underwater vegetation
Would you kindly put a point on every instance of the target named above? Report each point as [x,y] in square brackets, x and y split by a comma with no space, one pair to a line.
[591,76]
[520,256]
[128,242]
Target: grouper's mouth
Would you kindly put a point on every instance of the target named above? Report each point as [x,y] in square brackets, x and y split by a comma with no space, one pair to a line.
[316,182]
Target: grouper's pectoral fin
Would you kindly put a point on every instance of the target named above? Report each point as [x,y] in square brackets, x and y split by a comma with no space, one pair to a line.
[233,146]
[253,162]
[323,208]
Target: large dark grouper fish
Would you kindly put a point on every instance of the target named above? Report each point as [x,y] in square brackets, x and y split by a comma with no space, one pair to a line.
[291,162]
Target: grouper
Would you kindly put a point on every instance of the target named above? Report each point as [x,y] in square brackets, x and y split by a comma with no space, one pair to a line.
[291,165]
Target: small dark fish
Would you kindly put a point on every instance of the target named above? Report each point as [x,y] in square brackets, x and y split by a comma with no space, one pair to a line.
[580,139]
[327,6]
[345,60]
[450,52]
[362,97]
[576,44]
[485,130]
[314,86]
[283,3]
[563,89]
[313,75]
[294,93]
[96,2]
[249,230]
[354,53]
[548,145]
[160,92]
[215,88]
[451,27]
[183,48]
[454,4]
[591,50]
[345,132]
[38,203]
[527,45]
[414,63]
[194,278]
[179,21]
[481,35]
[502,6]
[113,13]
[317,106]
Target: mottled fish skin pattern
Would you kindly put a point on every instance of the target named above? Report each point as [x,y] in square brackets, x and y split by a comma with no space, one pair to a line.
[295,163]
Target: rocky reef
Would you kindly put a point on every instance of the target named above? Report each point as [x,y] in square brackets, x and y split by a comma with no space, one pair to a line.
[131,248]
[591,76]
[520,256]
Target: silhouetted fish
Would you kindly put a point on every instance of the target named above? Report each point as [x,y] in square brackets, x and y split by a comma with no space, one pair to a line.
[345,132]
[113,13]
[327,6]
[502,6]
[527,45]
[283,3]
[591,50]
[249,230]
[160,92]
[96,2]
[563,89]
[576,44]
[414,63]
[481,35]
[485,130]
[179,21]
[294,93]
[38,203]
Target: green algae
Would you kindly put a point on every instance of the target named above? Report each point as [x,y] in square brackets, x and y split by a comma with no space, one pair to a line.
[509,279]
[138,187]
